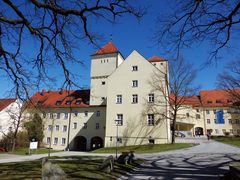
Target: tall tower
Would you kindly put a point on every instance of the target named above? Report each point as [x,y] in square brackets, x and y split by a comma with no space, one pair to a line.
[104,62]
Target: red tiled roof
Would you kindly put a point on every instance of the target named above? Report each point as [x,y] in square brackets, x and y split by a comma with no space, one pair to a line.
[156,59]
[5,103]
[58,99]
[107,49]
[187,100]
[216,98]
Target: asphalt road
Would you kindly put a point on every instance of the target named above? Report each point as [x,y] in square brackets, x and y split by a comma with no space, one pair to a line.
[207,161]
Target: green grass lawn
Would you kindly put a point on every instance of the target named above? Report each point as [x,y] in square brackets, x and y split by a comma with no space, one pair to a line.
[75,167]
[146,148]
[24,151]
[228,140]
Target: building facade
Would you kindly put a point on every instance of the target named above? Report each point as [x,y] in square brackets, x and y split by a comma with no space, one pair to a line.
[10,110]
[212,111]
[114,110]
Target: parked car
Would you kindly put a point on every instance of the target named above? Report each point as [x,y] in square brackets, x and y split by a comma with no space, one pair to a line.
[179,134]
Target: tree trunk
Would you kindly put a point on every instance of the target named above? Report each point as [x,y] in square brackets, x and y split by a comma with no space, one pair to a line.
[13,144]
[174,127]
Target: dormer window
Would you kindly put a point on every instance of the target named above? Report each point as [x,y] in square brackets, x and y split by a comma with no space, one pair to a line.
[209,102]
[68,102]
[58,103]
[229,101]
[78,102]
[218,101]
[134,68]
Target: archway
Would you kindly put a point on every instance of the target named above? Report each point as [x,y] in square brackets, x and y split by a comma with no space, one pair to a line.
[96,143]
[80,143]
[198,131]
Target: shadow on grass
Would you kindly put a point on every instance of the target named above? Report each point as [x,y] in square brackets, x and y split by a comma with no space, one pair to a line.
[74,166]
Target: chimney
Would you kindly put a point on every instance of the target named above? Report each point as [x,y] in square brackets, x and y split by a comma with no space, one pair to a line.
[43,92]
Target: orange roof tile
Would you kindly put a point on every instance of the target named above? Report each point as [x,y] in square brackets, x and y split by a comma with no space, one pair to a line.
[216,98]
[60,99]
[156,59]
[107,49]
[5,103]
[187,100]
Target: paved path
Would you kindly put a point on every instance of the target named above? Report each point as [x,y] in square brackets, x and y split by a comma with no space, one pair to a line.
[207,161]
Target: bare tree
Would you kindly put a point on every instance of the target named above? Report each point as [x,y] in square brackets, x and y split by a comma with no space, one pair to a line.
[230,81]
[54,29]
[193,21]
[173,89]
[15,123]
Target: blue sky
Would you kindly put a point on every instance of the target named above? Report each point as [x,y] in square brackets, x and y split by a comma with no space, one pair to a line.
[128,34]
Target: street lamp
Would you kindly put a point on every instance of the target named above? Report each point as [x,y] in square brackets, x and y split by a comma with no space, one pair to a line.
[117,124]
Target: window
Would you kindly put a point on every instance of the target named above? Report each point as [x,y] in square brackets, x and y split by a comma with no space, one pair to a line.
[44,115]
[154,64]
[216,131]
[134,68]
[64,128]
[51,115]
[214,111]
[215,121]
[187,114]
[197,110]
[237,121]
[238,131]
[65,115]
[78,102]
[86,113]
[229,121]
[48,140]
[97,125]
[151,98]
[119,99]
[63,141]
[58,115]
[208,121]
[58,103]
[75,113]
[134,98]
[135,83]
[207,112]
[68,102]
[198,116]
[151,119]
[119,119]
[103,82]
[98,113]
[85,126]
[75,125]
[218,101]
[57,127]
[103,98]
[209,102]
[224,131]
[49,127]
[55,140]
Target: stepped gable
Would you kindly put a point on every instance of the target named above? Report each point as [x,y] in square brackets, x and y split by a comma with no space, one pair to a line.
[6,102]
[107,49]
[60,99]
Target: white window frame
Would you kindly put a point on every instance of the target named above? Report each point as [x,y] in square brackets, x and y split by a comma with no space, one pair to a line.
[58,115]
[135,68]
[49,127]
[134,99]
[57,127]
[63,141]
[65,115]
[134,83]
[48,140]
[98,114]
[64,129]
[55,142]
[208,121]
[151,119]
[118,99]
[151,98]
[74,125]
[119,119]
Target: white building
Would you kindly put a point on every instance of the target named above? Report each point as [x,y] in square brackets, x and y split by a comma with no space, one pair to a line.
[9,111]
[114,108]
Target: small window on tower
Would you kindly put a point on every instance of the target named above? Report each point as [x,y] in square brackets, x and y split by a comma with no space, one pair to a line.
[134,68]
[103,82]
